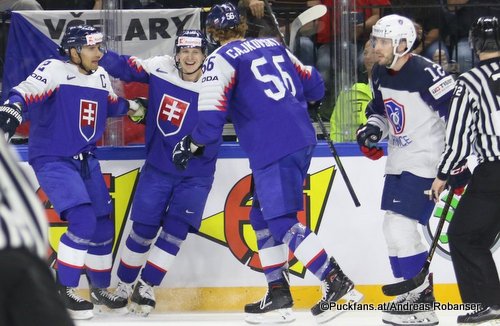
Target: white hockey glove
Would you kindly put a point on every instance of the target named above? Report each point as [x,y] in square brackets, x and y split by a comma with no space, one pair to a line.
[137,109]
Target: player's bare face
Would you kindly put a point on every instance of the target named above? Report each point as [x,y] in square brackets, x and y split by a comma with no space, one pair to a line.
[190,59]
[369,56]
[384,51]
[90,55]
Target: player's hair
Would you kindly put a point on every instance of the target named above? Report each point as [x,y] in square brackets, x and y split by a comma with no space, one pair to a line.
[222,35]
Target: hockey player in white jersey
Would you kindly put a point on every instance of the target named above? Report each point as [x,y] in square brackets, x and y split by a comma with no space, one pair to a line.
[166,200]
[411,97]
[67,103]
[265,91]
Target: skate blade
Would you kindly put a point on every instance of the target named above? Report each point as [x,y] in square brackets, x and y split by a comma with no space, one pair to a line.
[353,296]
[139,310]
[81,314]
[103,309]
[279,316]
[489,323]
[424,318]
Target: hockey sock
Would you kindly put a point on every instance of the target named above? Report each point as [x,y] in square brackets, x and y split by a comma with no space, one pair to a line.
[163,253]
[99,260]
[407,253]
[411,265]
[303,242]
[273,256]
[133,255]
[396,269]
[74,244]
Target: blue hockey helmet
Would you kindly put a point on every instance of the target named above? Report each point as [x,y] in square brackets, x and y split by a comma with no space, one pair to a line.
[78,36]
[191,38]
[224,16]
[484,35]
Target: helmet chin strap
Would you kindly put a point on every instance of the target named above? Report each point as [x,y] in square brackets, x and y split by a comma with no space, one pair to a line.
[88,71]
[179,68]
[394,60]
[396,57]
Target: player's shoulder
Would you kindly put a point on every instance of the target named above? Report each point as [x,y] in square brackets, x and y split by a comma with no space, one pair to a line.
[51,64]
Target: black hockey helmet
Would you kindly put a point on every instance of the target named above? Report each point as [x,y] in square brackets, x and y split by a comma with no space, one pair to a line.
[484,35]
[224,16]
[78,36]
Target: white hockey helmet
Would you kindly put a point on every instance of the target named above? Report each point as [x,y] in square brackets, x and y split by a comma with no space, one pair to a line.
[396,28]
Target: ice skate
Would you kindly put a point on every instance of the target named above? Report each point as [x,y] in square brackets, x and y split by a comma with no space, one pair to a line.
[142,301]
[407,309]
[336,286]
[104,300]
[124,290]
[484,316]
[275,307]
[78,307]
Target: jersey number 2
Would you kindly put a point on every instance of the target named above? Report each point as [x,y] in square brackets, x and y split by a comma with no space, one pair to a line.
[279,83]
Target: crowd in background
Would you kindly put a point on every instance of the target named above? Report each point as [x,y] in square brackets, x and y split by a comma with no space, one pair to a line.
[442,26]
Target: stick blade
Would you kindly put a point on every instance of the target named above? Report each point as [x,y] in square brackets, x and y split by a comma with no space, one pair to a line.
[307,16]
[406,285]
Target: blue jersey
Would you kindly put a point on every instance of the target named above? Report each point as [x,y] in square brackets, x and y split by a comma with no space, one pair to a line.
[67,109]
[172,110]
[410,105]
[263,89]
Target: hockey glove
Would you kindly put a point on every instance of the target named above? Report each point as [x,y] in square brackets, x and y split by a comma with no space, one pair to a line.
[459,178]
[313,106]
[10,118]
[367,137]
[373,153]
[182,152]
[138,110]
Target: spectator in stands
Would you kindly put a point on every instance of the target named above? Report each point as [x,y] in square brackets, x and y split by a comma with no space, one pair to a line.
[328,34]
[19,5]
[349,110]
[460,14]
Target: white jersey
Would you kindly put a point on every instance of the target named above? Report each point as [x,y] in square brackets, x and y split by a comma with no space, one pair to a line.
[408,106]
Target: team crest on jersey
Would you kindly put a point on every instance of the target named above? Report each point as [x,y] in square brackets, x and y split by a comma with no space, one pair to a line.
[396,115]
[171,114]
[88,118]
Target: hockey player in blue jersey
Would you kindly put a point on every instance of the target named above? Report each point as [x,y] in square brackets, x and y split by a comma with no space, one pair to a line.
[166,199]
[411,98]
[67,104]
[265,91]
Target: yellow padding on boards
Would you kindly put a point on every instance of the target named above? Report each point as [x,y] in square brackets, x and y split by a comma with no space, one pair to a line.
[234,298]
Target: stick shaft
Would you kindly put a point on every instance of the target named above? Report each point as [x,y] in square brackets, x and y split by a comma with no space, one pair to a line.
[336,156]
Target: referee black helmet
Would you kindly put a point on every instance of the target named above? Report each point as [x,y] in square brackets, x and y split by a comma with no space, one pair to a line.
[484,35]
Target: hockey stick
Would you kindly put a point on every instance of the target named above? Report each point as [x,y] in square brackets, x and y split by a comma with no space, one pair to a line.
[275,22]
[336,156]
[304,18]
[416,281]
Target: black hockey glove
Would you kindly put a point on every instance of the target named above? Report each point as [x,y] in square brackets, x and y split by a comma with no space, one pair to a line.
[182,152]
[138,109]
[459,178]
[313,106]
[10,118]
[367,137]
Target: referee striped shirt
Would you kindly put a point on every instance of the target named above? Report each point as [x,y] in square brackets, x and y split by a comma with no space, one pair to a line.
[23,223]
[474,117]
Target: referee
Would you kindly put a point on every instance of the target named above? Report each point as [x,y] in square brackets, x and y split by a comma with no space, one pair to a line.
[28,295]
[474,124]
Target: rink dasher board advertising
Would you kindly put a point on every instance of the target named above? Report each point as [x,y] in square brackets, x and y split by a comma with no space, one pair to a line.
[224,253]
